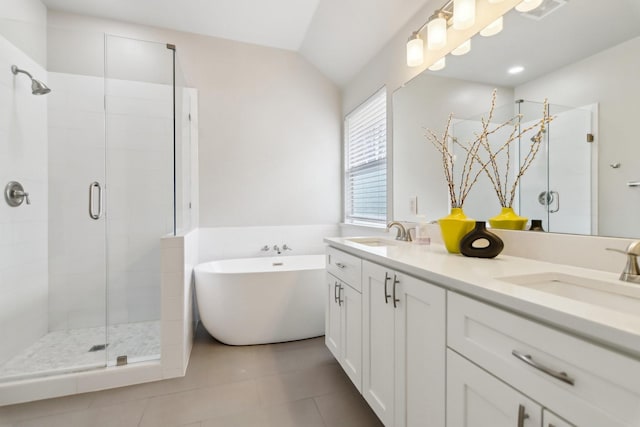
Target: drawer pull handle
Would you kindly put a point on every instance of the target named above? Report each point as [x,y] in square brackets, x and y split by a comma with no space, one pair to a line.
[386,295]
[335,292]
[395,283]
[340,300]
[522,415]
[340,265]
[562,376]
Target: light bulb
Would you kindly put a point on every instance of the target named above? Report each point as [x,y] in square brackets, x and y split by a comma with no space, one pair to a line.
[415,50]
[462,49]
[528,5]
[492,29]
[437,33]
[438,65]
[464,14]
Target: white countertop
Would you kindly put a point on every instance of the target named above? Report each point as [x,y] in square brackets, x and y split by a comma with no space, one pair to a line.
[479,278]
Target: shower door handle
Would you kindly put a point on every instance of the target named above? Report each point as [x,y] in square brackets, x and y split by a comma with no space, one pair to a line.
[557,197]
[92,187]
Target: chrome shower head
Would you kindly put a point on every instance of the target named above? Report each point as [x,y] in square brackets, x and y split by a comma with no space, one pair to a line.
[37,87]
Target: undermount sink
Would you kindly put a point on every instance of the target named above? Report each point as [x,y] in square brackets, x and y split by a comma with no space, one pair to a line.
[620,297]
[373,241]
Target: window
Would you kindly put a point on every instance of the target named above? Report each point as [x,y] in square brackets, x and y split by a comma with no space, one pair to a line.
[366,161]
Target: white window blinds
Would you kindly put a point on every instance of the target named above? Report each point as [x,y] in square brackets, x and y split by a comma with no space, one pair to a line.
[366,161]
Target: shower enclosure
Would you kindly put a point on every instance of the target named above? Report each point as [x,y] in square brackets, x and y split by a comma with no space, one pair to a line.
[105,158]
[560,186]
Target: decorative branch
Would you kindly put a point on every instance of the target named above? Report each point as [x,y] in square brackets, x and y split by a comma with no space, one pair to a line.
[469,176]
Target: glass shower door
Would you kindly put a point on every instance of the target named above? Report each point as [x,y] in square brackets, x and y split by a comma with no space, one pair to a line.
[53,322]
[140,193]
[558,187]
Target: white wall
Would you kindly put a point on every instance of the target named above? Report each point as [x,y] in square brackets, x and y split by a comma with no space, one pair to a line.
[609,78]
[246,242]
[24,24]
[23,229]
[269,132]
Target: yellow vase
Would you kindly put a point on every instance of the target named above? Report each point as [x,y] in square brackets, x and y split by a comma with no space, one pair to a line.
[454,227]
[508,220]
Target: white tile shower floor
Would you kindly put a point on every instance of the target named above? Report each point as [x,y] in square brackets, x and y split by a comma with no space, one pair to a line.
[68,350]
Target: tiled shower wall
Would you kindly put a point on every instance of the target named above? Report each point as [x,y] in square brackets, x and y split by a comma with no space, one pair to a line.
[23,229]
[137,180]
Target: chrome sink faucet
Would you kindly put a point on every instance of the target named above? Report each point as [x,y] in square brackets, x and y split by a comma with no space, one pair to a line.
[631,271]
[402,233]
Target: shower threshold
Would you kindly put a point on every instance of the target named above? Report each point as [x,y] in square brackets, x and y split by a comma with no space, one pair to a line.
[68,351]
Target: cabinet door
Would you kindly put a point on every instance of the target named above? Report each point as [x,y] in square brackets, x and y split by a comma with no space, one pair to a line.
[332,333]
[378,340]
[351,310]
[420,346]
[549,419]
[477,399]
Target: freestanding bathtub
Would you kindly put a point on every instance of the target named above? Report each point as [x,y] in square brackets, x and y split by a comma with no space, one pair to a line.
[262,300]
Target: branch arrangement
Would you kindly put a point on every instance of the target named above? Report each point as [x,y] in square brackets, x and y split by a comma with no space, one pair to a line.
[471,173]
[506,191]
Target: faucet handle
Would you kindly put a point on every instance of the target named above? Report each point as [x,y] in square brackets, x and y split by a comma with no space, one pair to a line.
[265,248]
[286,248]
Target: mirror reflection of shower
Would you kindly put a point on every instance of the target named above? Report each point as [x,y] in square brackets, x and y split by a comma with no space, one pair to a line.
[37,87]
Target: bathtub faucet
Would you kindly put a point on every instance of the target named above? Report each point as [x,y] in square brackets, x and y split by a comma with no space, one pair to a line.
[277,249]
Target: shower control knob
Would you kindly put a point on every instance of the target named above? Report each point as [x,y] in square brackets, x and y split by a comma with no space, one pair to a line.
[14,194]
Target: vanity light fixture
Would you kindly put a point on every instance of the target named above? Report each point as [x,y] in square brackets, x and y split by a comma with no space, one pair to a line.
[516,69]
[439,64]
[436,27]
[492,29]
[415,50]
[464,14]
[437,32]
[462,49]
[528,5]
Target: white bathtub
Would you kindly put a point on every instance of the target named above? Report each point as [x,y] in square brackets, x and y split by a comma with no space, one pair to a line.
[262,300]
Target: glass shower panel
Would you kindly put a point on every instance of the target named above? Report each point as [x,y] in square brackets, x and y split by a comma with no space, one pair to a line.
[53,248]
[139,197]
[571,172]
[183,117]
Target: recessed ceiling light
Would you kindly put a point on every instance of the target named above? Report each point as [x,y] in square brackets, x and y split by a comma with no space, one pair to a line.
[515,70]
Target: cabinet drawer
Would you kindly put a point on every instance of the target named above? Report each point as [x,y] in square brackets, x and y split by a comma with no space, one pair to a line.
[606,384]
[345,267]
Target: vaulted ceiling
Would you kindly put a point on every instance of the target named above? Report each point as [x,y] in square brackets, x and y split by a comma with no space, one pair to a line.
[338,36]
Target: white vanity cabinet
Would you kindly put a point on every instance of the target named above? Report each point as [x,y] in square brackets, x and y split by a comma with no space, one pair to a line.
[343,319]
[403,371]
[477,399]
[585,384]
[426,355]
[550,419]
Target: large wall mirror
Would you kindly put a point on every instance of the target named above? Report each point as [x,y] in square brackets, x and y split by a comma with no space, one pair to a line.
[584,57]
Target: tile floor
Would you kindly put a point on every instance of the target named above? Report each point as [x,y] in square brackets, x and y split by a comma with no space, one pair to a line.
[297,384]
[68,350]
